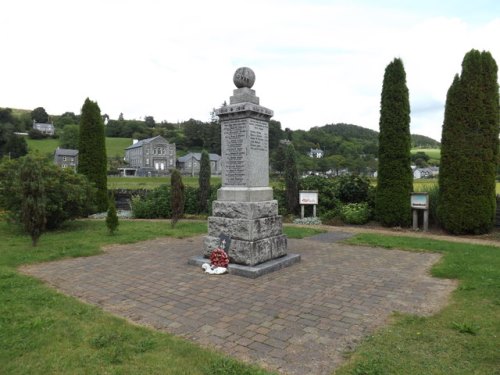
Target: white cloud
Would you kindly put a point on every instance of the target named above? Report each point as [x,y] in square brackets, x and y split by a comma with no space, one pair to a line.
[316,62]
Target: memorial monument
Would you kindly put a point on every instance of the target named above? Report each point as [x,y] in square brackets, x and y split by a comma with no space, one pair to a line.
[245,209]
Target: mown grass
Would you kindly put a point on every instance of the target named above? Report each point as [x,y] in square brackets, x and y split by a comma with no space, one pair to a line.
[114,146]
[434,153]
[45,332]
[463,338]
[149,183]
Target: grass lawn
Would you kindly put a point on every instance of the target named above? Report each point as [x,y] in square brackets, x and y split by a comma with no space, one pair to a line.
[464,338]
[114,146]
[434,153]
[149,183]
[45,332]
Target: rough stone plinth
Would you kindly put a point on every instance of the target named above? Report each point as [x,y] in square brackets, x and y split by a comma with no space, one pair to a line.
[243,229]
[250,253]
[245,210]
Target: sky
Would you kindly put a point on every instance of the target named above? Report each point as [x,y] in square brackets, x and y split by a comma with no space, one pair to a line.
[316,62]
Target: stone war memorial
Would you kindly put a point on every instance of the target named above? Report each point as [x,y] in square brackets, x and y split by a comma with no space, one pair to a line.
[245,210]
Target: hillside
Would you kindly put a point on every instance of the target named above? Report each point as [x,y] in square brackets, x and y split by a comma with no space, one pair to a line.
[115,147]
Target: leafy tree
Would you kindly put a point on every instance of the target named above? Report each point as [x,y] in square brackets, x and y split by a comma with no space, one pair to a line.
[67,118]
[36,134]
[6,116]
[291,180]
[469,148]
[204,181]
[70,137]
[395,178]
[33,200]
[15,146]
[68,195]
[111,217]
[40,115]
[150,121]
[92,161]
[176,196]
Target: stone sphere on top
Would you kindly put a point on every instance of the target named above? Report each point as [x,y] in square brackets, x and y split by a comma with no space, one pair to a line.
[244,77]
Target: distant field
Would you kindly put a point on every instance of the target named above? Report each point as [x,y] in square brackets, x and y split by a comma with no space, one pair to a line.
[434,153]
[149,183]
[42,146]
[114,146]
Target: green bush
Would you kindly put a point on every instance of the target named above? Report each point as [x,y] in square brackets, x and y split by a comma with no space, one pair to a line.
[327,192]
[68,195]
[353,189]
[156,204]
[355,213]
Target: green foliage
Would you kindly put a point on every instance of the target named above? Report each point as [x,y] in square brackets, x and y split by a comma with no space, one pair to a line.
[33,216]
[69,137]
[327,194]
[421,141]
[353,188]
[67,195]
[36,134]
[355,213]
[92,160]
[469,149]
[12,145]
[204,182]
[111,217]
[395,177]
[40,115]
[176,196]
[291,180]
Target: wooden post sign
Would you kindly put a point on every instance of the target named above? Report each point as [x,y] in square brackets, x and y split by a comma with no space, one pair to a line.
[308,197]
[420,201]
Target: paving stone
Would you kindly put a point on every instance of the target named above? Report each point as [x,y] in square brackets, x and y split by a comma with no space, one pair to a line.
[298,320]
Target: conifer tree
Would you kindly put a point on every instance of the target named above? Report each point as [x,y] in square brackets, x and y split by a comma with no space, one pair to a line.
[92,160]
[176,196]
[204,181]
[112,218]
[291,180]
[469,148]
[395,179]
[33,213]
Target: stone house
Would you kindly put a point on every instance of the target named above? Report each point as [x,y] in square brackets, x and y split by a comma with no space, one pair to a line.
[66,158]
[189,164]
[47,129]
[316,153]
[151,157]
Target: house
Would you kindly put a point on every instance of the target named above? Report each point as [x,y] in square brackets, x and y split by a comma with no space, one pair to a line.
[430,172]
[66,158]
[150,157]
[190,164]
[316,153]
[47,129]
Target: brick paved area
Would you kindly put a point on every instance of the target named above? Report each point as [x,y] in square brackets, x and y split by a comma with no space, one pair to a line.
[298,320]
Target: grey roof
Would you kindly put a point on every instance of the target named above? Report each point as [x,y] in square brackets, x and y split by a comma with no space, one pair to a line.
[144,142]
[66,152]
[197,156]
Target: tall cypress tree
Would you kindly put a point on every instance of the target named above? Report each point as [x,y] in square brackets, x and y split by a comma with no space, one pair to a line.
[395,178]
[176,196]
[291,180]
[204,181]
[92,161]
[469,147]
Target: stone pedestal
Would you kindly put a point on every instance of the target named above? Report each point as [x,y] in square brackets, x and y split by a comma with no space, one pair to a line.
[245,209]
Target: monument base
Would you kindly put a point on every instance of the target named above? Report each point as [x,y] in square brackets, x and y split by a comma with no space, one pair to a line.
[249,253]
[252,271]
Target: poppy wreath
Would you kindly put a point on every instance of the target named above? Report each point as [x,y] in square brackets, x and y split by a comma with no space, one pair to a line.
[219,258]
